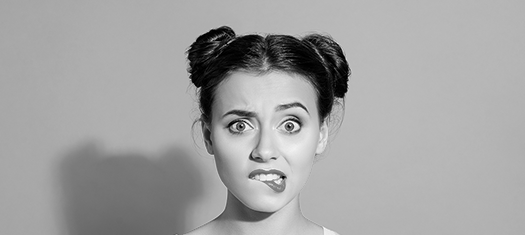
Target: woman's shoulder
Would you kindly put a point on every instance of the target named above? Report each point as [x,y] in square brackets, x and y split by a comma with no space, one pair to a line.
[202,230]
[329,232]
[208,228]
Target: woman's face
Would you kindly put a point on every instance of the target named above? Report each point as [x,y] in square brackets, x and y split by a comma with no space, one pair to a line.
[264,133]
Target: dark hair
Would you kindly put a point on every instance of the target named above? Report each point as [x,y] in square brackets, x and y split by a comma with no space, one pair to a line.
[219,52]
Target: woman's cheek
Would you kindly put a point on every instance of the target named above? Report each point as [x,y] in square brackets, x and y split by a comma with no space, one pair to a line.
[301,146]
[232,146]
[231,152]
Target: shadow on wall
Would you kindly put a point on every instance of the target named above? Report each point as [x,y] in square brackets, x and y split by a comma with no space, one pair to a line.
[128,194]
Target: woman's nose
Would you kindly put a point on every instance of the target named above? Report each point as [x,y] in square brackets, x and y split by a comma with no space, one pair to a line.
[265,148]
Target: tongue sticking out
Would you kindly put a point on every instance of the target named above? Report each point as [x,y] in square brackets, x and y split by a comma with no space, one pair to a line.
[277,185]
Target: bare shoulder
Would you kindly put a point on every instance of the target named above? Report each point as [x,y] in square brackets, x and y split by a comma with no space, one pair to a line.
[206,229]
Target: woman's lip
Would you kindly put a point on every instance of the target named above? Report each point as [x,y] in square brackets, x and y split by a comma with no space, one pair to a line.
[266,171]
[278,185]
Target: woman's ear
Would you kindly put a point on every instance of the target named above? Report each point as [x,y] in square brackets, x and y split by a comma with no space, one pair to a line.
[206,135]
[323,139]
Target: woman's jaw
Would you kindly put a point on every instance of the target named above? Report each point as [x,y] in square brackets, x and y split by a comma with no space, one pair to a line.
[237,210]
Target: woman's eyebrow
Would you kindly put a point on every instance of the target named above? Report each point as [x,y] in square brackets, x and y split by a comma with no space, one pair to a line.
[291,105]
[240,113]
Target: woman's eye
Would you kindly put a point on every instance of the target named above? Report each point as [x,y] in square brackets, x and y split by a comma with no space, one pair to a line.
[290,126]
[239,126]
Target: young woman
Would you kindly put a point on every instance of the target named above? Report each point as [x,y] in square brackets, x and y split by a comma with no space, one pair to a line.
[265,103]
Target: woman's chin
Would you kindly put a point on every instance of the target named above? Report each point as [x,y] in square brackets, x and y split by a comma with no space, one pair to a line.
[270,209]
[265,205]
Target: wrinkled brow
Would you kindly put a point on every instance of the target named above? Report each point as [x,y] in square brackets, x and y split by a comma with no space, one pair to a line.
[291,105]
[241,113]
[244,113]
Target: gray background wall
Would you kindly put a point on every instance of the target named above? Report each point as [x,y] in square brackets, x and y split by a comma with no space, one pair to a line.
[96,114]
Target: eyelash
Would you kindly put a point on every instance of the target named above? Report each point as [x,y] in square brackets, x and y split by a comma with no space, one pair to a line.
[296,121]
[234,122]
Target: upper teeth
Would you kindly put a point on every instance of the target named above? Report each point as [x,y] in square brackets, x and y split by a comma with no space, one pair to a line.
[266,177]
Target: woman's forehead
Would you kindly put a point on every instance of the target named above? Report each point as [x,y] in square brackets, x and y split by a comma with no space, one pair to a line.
[249,89]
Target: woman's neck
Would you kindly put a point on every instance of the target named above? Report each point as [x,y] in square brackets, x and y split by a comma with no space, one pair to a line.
[239,219]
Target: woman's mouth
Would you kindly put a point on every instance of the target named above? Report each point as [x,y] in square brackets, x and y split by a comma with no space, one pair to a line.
[275,179]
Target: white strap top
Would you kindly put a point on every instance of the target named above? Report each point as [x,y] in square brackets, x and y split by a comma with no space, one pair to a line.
[325,232]
[329,232]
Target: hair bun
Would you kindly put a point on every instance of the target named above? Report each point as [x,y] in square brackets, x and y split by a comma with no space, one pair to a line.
[207,47]
[334,62]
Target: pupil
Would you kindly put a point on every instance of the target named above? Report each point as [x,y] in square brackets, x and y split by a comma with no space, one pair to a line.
[288,126]
[240,126]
